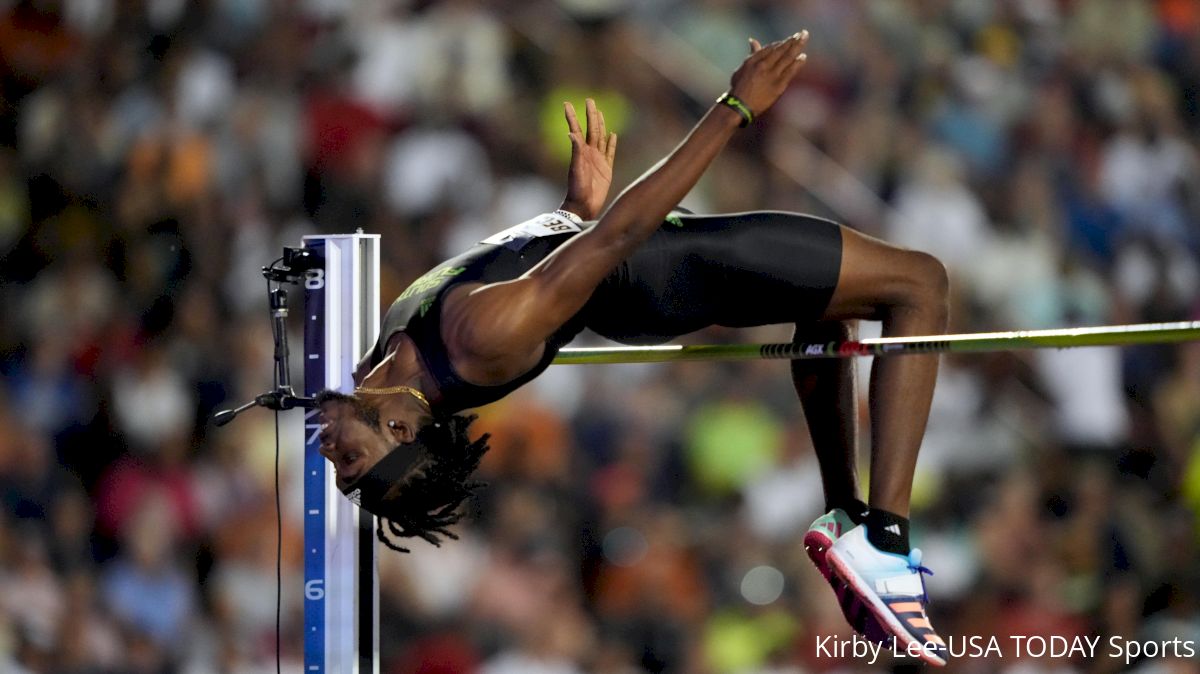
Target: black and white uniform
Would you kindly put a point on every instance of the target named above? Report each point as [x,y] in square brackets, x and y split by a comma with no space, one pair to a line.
[737,270]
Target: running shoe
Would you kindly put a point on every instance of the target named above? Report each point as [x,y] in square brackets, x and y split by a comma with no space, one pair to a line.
[821,536]
[892,587]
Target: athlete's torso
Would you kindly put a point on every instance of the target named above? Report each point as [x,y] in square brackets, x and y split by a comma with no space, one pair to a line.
[501,257]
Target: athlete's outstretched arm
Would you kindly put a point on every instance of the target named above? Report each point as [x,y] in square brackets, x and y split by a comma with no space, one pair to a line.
[514,318]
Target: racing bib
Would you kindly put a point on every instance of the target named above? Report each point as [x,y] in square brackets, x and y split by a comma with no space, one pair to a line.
[547,224]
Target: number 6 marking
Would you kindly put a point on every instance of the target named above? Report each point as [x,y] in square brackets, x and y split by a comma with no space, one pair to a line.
[314,590]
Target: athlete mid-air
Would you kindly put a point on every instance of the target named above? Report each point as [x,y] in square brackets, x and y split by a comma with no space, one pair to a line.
[484,323]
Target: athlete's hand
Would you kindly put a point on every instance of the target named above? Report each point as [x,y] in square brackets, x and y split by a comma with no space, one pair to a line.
[766,73]
[592,155]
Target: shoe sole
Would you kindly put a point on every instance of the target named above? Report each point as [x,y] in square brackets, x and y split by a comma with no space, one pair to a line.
[817,544]
[882,613]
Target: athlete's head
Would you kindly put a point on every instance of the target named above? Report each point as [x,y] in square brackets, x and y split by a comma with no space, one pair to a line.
[401,464]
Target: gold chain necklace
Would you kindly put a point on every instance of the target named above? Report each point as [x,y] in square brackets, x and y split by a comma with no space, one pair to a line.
[396,389]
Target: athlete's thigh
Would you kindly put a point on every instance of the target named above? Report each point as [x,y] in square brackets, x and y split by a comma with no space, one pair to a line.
[737,270]
[875,274]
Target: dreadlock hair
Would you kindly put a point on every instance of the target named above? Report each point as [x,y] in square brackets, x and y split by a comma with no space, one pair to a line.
[425,503]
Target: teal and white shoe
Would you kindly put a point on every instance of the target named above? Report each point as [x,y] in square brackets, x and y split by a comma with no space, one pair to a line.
[892,588]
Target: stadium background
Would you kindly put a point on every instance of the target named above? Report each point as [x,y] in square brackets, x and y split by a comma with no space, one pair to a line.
[640,518]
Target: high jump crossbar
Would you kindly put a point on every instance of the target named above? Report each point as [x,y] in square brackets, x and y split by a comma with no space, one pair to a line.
[981,342]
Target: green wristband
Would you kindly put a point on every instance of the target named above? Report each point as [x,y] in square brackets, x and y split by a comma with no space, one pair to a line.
[737,104]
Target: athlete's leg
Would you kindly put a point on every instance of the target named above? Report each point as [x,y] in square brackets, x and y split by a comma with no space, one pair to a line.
[828,393]
[767,267]
[907,291]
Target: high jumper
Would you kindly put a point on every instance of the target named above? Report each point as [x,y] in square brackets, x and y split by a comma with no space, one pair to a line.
[487,321]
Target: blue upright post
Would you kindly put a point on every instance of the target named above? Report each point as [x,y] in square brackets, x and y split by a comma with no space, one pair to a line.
[341,580]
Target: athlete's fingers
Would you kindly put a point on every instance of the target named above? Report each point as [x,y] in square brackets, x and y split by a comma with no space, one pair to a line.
[611,151]
[788,56]
[794,66]
[796,49]
[593,126]
[788,49]
[603,135]
[572,120]
[755,46]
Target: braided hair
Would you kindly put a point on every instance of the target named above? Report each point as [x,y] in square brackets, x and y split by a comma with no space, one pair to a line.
[426,503]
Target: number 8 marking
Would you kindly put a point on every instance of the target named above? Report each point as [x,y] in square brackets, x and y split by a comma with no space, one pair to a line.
[314,279]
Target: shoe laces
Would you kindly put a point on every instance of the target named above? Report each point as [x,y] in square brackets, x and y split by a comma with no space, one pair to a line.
[914,563]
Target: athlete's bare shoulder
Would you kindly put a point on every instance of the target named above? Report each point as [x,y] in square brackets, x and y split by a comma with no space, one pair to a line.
[479,353]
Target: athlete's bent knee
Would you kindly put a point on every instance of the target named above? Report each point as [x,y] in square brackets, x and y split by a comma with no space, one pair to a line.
[931,285]
[922,287]
[932,273]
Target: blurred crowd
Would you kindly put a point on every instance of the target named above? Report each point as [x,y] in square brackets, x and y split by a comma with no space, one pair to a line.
[155,153]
